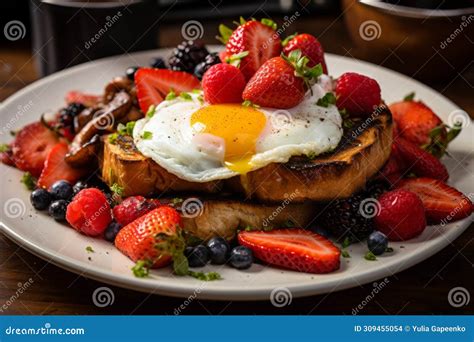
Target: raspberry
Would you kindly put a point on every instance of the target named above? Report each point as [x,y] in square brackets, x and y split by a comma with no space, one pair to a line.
[89,212]
[223,83]
[401,215]
[358,94]
[132,208]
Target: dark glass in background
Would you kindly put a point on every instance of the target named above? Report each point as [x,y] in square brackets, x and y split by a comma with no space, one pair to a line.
[66,32]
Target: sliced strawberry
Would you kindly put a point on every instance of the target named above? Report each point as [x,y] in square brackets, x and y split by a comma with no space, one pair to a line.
[31,147]
[88,100]
[56,168]
[420,162]
[132,208]
[295,249]
[154,84]
[259,40]
[138,239]
[443,204]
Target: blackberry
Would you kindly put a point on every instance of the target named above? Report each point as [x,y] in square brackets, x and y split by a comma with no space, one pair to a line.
[374,189]
[67,114]
[158,63]
[187,55]
[345,218]
[210,60]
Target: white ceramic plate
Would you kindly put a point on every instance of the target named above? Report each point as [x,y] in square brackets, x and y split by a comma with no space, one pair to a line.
[64,247]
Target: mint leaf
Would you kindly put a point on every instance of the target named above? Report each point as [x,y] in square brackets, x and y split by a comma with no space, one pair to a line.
[141,268]
[345,254]
[370,256]
[28,180]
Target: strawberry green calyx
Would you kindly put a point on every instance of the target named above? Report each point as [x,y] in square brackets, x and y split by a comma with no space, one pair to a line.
[268,22]
[299,63]
[440,137]
[287,39]
[224,33]
[235,59]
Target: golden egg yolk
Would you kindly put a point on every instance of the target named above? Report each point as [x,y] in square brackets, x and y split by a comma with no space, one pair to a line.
[239,126]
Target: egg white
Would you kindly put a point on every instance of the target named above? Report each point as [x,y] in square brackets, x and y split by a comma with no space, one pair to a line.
[185,152]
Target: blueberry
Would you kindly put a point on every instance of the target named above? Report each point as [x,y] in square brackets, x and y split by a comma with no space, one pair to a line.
[377,243]
[40,199]
[197,256]
[158,63]
[130,72]
[112,230]
[57,209]
[61,190]
[219,250]
[80,185]
[241,258]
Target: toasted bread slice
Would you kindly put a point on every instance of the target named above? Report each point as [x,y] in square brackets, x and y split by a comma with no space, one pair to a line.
[222,217]
[362,152]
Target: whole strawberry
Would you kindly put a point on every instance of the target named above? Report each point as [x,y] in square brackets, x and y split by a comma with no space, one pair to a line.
[281,82]
[138,240]
[358,94]
[132,208]
[420,162]
[257,38]
[223,83]
[309,46]
[401,215]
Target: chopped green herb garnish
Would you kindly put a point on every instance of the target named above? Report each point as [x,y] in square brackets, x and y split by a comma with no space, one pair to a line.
[113,138]
[141,268]
[117,189]
[370,256]
[28,180]
[200,99]
[248,103]
[389,250]
[176,200]
[89,249]
[185,96]
[196,91]
[151,111]
[326,100]
[4,147]
[126,129]
[409,97]
[147,135]
[209,276]
[346,243]
[311,155]
[345,254]
[171,96]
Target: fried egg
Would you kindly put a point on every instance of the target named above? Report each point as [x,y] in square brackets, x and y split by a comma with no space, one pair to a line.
[200,142]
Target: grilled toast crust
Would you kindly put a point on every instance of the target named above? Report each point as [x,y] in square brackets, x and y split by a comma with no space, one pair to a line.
[362,152]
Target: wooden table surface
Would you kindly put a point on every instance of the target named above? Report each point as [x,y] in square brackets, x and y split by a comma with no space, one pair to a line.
[422,289]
